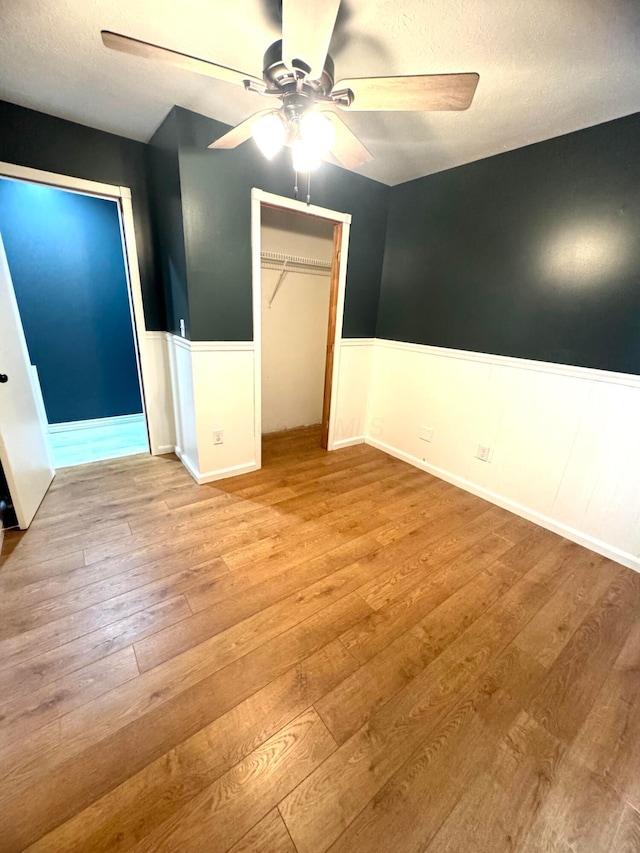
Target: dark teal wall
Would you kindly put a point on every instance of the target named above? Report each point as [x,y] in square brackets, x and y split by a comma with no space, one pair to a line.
[30,138]
[67,266]
[166,199]
[534,253]
[216,200]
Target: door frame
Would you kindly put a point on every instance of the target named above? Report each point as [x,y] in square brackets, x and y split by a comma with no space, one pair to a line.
[122,197]
[342,225]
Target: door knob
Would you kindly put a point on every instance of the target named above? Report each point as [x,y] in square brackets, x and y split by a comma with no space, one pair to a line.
[4,377]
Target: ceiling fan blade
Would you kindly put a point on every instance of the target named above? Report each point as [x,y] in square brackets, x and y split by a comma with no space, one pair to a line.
[347,148]
[240,133]
[422,92]
[135,47]
[307,28]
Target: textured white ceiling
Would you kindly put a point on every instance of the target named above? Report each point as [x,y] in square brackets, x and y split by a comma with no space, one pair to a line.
[546,67]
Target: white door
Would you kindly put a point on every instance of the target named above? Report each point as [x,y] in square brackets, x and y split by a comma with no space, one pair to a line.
[24,445]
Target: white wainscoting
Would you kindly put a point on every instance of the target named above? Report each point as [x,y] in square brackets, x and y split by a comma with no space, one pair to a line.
[183,397]
[353,391]
[565,447]
[213,389]
[223,392]
[158,394]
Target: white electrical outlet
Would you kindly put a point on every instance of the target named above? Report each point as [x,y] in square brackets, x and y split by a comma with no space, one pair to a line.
[218,436]
[484,453]
[426,433]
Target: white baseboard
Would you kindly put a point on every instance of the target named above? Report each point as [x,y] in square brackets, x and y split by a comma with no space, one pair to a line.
[163,449]
[119,420]
[188,464]
[348,442]
[613,553]
[223,473]
[212,476]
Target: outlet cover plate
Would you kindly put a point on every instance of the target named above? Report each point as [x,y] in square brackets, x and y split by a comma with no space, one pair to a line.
[484,453]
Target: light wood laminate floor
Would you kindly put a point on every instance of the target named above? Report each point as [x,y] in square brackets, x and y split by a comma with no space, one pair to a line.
[338,652]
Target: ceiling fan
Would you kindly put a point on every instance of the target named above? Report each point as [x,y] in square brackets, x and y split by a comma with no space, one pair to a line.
[299,73]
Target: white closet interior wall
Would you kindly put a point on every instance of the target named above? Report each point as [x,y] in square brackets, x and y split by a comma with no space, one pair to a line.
[294,327]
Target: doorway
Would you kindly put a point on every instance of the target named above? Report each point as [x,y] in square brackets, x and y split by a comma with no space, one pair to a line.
[296,259]
[68,266]
[299,256]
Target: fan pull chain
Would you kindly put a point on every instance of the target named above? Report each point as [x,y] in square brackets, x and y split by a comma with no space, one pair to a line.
[308,188]
[295,185]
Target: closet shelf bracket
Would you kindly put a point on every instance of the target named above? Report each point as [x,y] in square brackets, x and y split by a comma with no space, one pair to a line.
[283,273]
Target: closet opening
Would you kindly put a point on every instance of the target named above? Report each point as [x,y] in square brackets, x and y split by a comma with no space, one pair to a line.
[298,305]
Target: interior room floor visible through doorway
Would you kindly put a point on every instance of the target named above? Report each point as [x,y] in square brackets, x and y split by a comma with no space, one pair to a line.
[107,438]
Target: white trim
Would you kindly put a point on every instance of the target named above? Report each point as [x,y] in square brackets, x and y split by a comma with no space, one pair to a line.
[221,346]
[358,342]
[163,449]
[117,420]
[121,195]
[134,292]
[597,545]
[179,341]
[590,373]
[299,206]
[259,197]
[349,442]
[212,476]
[256,309]
[337,349]
[188,464]
[224,473]
[65,182]
[211,346]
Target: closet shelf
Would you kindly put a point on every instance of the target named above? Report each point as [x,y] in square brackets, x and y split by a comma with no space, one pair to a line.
[276,260]
[292,263]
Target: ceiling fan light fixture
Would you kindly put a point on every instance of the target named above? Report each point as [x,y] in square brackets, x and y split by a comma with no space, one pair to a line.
[317,132]
[269,134]
[304,156]
[298,70]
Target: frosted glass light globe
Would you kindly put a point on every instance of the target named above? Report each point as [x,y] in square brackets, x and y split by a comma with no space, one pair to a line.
[305,158]
[269,133]
[317,131]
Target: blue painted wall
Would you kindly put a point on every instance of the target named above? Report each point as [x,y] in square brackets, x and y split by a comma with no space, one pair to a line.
[65,256]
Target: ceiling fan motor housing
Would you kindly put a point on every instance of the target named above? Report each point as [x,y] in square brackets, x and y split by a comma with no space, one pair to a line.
[297,91]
